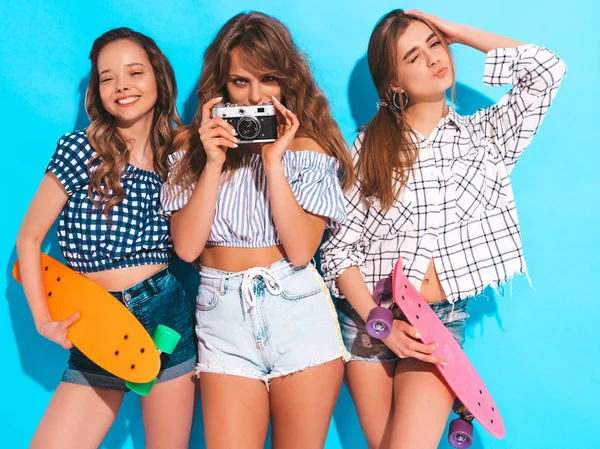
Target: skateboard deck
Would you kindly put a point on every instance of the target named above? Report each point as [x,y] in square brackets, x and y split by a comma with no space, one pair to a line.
[459,373]
[106,332]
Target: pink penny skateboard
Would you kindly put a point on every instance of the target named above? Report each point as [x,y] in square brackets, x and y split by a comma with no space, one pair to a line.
[459,373]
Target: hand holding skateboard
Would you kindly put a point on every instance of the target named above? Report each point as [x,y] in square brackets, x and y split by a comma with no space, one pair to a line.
[106,331]
[474,400]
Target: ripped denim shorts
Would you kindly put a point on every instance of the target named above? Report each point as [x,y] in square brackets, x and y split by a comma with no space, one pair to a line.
[264,323]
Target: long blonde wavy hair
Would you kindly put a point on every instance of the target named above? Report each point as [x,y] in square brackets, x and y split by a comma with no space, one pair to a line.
[387,149]
[266,44]
[105,189]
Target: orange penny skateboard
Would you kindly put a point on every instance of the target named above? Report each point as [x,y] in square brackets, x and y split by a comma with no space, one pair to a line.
[106,332]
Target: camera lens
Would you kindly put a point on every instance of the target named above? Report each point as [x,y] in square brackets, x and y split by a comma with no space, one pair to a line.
[248,128]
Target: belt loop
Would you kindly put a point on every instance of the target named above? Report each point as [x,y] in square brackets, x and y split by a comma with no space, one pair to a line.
[152,285]
[222,282]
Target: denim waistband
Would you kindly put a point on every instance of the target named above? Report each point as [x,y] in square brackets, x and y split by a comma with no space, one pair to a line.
[243,281]
[225,280]
[146,286]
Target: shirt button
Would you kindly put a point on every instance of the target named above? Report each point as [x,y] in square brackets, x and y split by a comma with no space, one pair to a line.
[127,296]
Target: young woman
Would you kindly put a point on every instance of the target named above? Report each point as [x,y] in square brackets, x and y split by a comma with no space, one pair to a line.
[105,184]
[433,189]
[268,337]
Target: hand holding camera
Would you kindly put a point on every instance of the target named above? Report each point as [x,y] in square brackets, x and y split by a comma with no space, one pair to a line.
[253,124]
[273,152]
[233,124]
[216,134]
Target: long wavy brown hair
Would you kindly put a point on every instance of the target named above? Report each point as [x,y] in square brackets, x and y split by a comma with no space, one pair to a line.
[105,189]
[265,44]
[388,152]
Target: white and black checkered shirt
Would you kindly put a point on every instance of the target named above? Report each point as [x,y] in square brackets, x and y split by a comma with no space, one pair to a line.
[458,207]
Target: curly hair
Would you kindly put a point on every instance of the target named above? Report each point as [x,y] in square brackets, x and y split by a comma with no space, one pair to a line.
[265,44]
[105,189]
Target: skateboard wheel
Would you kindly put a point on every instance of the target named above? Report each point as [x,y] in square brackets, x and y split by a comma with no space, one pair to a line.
[165,338]
[460,433]
[379,322]
[383,292]
[141,389]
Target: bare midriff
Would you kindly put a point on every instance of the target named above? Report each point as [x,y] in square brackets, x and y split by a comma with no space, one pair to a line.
[227,258]
[431,287]
[122,278]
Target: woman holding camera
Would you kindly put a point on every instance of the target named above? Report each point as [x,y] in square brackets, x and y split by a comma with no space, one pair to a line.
[254,213]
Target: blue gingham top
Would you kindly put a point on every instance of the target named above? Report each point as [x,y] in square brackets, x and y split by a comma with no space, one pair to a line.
[243,214]
[139,235]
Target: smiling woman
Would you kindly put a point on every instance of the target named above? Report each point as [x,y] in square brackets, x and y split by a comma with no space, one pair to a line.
[127,83]
[104,182]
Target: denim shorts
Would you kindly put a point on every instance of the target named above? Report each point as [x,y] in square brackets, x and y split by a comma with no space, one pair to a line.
[158,299]
[264,323]
[365,348]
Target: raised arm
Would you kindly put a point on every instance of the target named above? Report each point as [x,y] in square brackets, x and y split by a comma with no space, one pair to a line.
[193,209]
[535,73]
[300,232]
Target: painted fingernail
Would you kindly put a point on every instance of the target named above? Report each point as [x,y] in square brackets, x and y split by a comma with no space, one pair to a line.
[235,145]
[443,363]
[218,98]
[418,335]
[236,139]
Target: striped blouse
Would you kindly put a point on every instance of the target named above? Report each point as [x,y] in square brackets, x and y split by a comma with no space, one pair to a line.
[243,214]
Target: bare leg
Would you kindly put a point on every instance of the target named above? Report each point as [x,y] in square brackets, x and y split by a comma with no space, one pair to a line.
[235,411]
[168,412]
[371,385]
[422,403]
[302,404]
[77,417]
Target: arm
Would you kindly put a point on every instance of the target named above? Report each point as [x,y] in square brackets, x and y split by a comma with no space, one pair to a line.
[41,214]
[299,231]
[190,226]
[535,72]
[343,256]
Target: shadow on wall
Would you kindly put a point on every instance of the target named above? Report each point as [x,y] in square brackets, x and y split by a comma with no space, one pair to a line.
[362,96]
[82,121]
[190,106]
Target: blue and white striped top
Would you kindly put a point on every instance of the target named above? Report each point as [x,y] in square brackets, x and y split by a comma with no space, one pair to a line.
[243,215]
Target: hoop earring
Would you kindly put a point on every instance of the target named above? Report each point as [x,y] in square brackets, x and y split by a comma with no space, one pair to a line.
[404,97]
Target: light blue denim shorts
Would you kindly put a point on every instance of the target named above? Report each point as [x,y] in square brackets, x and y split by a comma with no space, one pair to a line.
[264,323]
[365,348]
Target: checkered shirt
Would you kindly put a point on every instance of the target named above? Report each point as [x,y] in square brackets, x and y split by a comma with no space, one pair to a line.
[458,207]
[139,235]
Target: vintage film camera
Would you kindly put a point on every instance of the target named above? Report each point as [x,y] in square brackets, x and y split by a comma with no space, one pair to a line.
[254,124]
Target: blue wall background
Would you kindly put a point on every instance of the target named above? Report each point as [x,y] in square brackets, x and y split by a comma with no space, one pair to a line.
[537,348]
